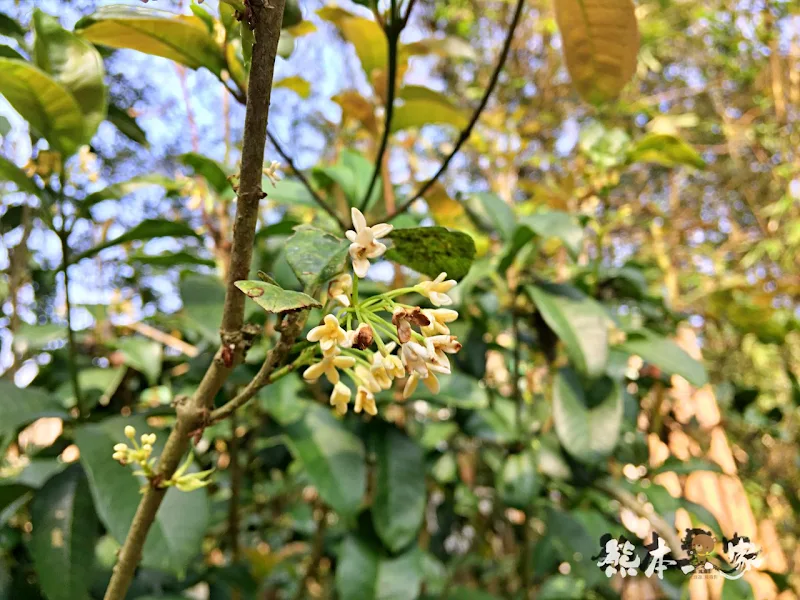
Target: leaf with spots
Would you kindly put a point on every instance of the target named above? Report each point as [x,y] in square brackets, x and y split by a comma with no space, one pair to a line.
[433,250]
[315,256]
[275,299]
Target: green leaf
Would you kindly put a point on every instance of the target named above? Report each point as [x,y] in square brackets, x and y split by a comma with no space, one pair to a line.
[97,386]
[363,573]
[127,125]
[143,355]
[203,298]
[465,593]
[352,174]
[419,106]
[578,320]
[65,529]
[20,406]
[275,299]
[666,150]
[601,43]
[9,52]
[666,355]
[73,63]
[45,104]
[315,256]
[11,172]
[118,191]
[433,250]
[681,467]
[146,230]
[171,259]
[550,224]
[10,28]
[211,171]
[518,482]
[291,193]
[398,508]
[562,587]
[587,419]
[12,497]
[177,533]
[184,39]
[366,36]
[493,213]
[332,457]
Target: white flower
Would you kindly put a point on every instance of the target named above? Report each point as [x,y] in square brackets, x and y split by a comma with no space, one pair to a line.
[393,365]
[340,397]
[328,335]
[414,356]
[438,317]
[364,244]
[328,366]
[271,172]
[340,288]
[436,290]
[365,401]
[437,346]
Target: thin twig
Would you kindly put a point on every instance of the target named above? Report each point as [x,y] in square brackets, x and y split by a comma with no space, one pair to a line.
[193,412]
[267,373]
[317,550]
[72,359]
[464,136]
[392,30]
[306,183]
[165,338]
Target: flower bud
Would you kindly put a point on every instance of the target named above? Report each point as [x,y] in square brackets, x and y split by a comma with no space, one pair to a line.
[130,432]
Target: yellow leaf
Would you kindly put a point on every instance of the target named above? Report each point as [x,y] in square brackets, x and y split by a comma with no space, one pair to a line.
[601,41]
[366,36]
[355,106]
[302,28]
[422,106]
[297,84]
[184,39]
[446,211]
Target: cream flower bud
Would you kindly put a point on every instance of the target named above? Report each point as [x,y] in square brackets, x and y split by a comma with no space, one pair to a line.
[365,401]
[148,438]
[369,381]
[130,432]
[436,290]
[411,385]
[271,172]
[340,397]
[340,288]
[120,447]
[328,335]
[438,317]
[328,366]
[379,372]
[364,244]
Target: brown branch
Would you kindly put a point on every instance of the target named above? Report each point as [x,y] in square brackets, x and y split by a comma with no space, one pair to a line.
[192,413]
[464,136]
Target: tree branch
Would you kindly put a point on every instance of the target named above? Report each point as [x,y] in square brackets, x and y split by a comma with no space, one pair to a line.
[192,413]
[464,136]
[292,327]
[392,30]
[304,180]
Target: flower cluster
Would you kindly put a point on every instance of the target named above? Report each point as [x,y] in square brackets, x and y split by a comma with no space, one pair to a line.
[140,454]
[411,343]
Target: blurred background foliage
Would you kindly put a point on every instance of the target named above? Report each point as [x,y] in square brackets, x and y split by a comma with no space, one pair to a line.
[630,323]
